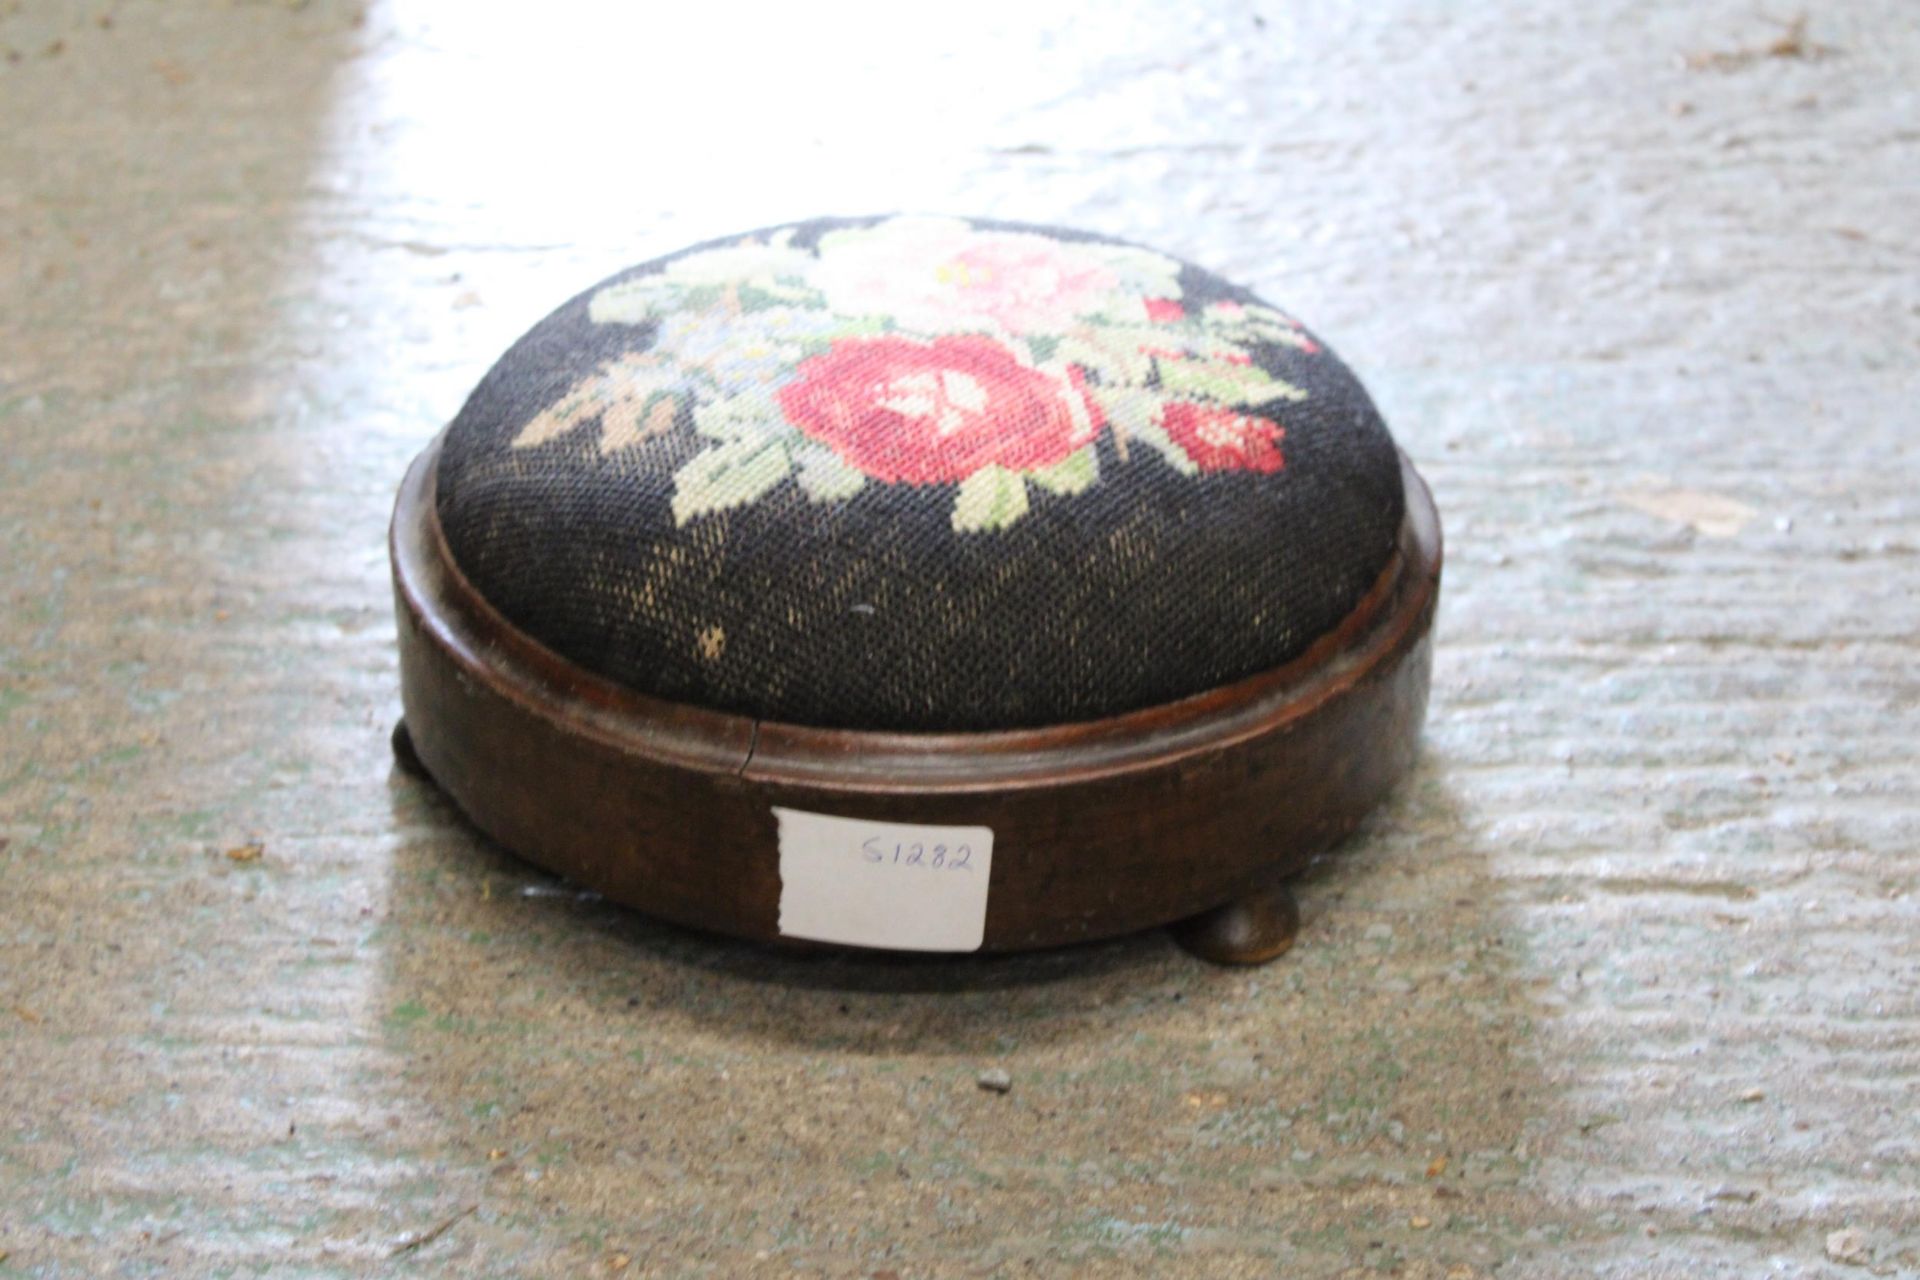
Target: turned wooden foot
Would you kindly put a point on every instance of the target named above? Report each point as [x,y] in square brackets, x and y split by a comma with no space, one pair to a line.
[1254,928]
[404,755]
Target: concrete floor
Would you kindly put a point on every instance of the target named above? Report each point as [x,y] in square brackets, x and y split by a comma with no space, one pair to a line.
[1626,982]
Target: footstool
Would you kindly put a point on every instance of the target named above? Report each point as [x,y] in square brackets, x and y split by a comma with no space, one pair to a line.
[920,584]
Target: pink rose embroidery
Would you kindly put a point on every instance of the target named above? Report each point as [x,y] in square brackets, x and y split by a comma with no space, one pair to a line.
[935,277]
[1024,284]
[1219,439]
[935,412]
[930,351]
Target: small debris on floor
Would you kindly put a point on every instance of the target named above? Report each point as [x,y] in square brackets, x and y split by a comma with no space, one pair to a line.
[1438,1167]
[1711,514]
[1792,43]
[27,1015]
[409,1243]
[1419,1222]
[246,852]
[994,1080]
[1848,1246]
[1753,1095]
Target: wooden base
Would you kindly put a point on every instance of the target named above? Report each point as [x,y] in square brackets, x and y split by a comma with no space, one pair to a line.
[1099,828]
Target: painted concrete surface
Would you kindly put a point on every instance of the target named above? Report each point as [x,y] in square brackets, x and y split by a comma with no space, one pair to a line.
[1626,982]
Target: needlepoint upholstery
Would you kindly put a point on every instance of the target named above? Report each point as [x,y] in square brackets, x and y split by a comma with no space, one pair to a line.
[920,474]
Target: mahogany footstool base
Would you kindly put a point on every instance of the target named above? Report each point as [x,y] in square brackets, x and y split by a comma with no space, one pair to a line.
[1192,813]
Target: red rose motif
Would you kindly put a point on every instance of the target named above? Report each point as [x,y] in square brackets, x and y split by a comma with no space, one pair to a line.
[1165,310]
[911,412]
[1219,439]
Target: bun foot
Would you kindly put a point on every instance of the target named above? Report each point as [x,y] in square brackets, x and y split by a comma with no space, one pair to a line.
[405,756]
[1254,928]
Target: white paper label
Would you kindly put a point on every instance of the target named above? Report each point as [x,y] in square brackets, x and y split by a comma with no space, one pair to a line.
[883,884]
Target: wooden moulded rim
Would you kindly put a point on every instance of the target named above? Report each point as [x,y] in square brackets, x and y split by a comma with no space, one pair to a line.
[488,648]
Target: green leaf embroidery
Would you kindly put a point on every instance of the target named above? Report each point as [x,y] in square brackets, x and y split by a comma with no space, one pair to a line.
[1134,413]
[632,302]
[779,293]
[991,498]
[1073,474]
[851,327]
[1155,436]
[1233,384]
[1114,360]
[1131,339]
[728,475]
[824,475]
[1256,325]
[740,419]
[1142,274]
[1250,324]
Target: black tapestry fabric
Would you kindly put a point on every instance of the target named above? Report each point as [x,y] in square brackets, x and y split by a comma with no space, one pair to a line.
[920,474]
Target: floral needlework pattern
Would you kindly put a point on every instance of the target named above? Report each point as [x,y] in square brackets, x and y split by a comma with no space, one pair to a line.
[928,351]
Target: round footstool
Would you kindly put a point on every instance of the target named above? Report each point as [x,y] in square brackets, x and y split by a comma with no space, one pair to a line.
[921,584]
